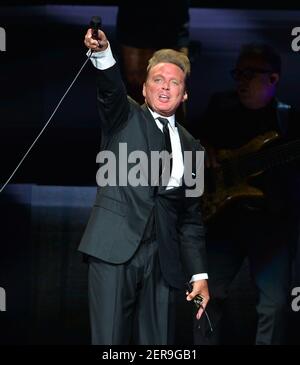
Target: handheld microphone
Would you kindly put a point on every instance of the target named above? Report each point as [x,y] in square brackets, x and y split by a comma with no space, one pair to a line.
[95,24]
[198,299]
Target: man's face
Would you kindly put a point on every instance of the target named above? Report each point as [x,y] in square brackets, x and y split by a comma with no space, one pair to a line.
[164,89]
[255,83]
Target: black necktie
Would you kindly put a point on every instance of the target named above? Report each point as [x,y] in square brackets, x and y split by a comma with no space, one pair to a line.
[168,145]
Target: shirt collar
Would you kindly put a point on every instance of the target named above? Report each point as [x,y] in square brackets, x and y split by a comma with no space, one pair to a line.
[171,119]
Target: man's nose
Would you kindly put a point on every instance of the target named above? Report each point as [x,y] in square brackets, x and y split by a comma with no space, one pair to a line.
[166,86]
[242,81]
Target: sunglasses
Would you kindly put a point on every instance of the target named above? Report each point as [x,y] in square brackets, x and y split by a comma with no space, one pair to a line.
[247,73]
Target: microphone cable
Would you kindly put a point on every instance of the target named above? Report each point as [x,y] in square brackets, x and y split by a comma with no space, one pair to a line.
[46,124]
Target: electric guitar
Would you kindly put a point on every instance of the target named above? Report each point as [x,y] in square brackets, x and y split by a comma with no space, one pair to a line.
[229,181]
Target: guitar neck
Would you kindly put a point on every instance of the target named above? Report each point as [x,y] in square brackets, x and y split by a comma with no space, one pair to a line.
[267,159]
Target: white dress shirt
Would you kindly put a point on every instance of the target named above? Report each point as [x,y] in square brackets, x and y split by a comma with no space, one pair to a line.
[103,60]
[177,165]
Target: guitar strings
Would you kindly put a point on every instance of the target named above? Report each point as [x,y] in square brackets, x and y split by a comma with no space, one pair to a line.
[229,166]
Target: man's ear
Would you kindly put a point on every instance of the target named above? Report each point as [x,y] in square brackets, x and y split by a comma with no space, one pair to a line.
[185,96]
[144,90]
[274,78]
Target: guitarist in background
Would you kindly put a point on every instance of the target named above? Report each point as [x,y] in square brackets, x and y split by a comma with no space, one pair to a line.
[264,230]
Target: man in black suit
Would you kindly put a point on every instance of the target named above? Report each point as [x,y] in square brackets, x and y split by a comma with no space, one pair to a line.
[145,240]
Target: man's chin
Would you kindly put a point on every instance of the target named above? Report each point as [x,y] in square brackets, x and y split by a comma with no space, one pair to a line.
[249,104]
[165,112]
[246,101]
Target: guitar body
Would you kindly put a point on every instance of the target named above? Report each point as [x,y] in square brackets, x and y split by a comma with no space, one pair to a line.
[225,184]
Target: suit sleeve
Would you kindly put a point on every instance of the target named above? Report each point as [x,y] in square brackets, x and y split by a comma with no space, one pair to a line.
[192,237]
[113,105]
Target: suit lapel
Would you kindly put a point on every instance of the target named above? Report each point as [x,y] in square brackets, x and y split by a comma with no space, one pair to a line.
[155,140]
[186,145]
[154,135]
[185,142]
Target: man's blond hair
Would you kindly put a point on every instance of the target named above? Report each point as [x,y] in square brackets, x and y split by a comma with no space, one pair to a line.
[170,56]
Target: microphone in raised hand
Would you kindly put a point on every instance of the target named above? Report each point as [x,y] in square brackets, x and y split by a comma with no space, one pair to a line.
[95,25]
[95,39]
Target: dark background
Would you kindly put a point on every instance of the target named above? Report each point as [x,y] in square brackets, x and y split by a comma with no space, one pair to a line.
[46,207]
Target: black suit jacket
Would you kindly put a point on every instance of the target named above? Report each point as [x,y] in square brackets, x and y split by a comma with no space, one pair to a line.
[120,213]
